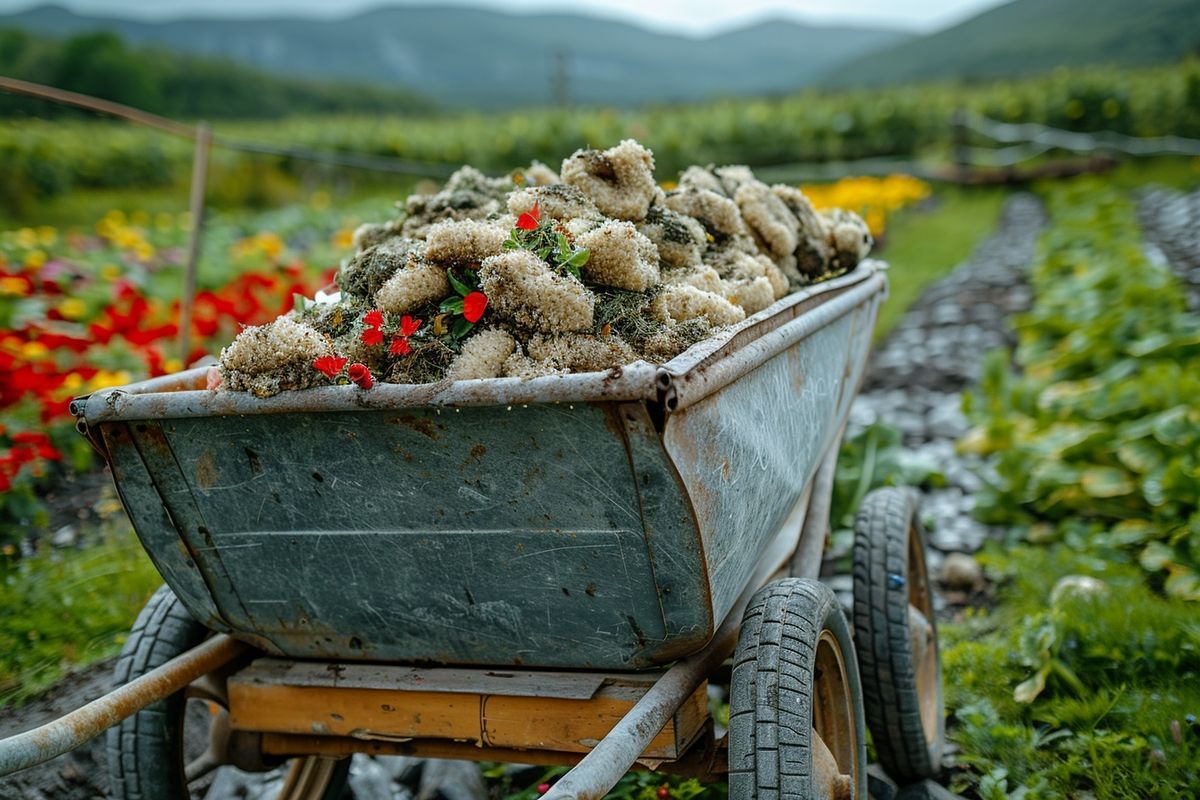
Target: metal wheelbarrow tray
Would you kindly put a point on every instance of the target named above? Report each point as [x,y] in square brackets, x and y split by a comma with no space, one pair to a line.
[606,521]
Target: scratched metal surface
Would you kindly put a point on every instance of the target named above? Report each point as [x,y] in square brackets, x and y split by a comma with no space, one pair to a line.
[746,453]
[483,536]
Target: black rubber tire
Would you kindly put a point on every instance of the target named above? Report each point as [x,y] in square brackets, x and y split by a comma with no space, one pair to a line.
[771,691]
[145,751]
[906,749]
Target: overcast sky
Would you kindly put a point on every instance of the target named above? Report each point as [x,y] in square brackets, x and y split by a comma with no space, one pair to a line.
[690,16]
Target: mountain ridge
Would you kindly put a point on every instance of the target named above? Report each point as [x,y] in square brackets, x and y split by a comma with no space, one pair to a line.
[464,56]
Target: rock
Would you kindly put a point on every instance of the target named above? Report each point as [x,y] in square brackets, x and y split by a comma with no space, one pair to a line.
[960,571]
[1077,586]
[66,536]
[404,770]
[369,780]
[451,780]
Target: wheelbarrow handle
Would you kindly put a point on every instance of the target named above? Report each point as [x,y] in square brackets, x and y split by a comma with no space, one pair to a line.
[33,747]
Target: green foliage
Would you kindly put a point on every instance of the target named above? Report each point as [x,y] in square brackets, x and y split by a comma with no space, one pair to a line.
[1085,680]
[1097,439]
[1112,717]
[68,608]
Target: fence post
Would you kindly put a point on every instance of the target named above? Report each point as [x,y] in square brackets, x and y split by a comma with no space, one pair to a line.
[196,206]
[958,133]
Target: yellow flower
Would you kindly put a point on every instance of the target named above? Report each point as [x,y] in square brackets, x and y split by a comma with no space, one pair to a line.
[343,238]
[13,287]
[34,351]
[172,365]
[106,378]
[27,238]
[110,272]
[35,258]
[271,244]
[73,383]
[47,236]
[139,218]
[72,308]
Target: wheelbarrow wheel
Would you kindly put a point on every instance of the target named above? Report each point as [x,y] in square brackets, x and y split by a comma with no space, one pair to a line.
[796,726]
[896,636]
[149,754]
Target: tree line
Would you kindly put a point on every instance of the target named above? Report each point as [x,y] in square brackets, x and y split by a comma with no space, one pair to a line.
[175,85]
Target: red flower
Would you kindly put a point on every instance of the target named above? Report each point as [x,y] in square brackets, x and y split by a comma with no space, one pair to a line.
[475,304]
[373,319]
[543,788]
[663,792]
[330,365]
[372,336]
[409,326]
[529,220]
[400,346]
[360,375]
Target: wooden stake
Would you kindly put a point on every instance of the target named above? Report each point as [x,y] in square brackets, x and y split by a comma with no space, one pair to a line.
[196,205]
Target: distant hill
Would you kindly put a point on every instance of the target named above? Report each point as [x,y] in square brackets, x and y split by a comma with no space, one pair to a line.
[474,57]
[1035,35]
[179,85]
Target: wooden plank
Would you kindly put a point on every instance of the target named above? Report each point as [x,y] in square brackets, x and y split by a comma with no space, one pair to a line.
[357,713]
[520,683]
[560,724]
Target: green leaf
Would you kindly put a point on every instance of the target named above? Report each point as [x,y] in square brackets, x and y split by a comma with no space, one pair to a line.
[1028,690]
[451,305]
[1106,482]
[460,287]
[461,328]
[1140,455]
[578,259]
[1173,428]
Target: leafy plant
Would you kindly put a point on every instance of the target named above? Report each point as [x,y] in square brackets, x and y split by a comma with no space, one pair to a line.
[1097,438]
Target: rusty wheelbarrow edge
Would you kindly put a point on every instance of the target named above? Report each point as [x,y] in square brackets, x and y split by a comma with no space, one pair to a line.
[699,371]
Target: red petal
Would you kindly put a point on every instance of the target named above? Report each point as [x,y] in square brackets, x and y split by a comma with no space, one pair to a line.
[372,336]
[373,319]
[409,326]
[400,346]
[330,365]
[474,305]
[361,375]
[527,221]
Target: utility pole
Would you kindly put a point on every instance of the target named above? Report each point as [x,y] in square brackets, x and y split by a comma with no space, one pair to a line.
[560,80]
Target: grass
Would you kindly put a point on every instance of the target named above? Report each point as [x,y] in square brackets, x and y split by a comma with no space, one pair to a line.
[1115,716]
[925,242]
[69,608]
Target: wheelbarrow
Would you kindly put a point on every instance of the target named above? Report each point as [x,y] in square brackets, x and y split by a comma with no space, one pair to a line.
[547,571]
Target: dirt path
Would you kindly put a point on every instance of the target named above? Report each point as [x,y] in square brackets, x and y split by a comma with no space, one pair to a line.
[78,775]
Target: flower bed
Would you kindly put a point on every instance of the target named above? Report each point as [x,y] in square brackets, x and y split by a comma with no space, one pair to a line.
[82,310]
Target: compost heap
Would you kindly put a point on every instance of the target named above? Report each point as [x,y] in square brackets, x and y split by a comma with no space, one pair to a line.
[544,274]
